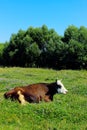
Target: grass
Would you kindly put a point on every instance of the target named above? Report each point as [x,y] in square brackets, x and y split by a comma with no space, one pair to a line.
[66,112]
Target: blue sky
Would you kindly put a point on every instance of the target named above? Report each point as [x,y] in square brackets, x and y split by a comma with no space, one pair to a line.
[56,14]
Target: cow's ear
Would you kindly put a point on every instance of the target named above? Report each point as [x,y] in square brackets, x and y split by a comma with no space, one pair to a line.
[57,81]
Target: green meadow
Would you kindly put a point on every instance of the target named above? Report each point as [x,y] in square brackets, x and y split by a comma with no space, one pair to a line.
[66,112]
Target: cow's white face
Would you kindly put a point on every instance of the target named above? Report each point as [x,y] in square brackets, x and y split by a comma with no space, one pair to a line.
[61,88]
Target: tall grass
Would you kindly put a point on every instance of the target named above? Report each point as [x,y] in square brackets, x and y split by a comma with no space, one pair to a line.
[66,112]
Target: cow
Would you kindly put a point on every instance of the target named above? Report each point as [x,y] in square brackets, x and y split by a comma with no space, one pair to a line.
[34,93]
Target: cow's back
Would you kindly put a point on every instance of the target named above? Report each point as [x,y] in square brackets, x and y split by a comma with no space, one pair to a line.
[36,89]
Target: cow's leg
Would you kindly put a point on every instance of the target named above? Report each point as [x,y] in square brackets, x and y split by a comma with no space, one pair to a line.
[33,99]
[47,99]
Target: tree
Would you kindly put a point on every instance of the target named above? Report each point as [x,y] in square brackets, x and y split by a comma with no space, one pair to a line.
[83,35]
[1,53]
[14,51]
[32,55]
[74,55]
[43,47]
[71,33]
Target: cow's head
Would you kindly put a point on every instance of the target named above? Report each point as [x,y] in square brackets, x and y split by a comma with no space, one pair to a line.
[60,87]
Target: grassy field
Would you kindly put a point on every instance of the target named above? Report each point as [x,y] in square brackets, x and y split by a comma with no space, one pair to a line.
[66,112]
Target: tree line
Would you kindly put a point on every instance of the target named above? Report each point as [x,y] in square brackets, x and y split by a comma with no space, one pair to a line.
[43,47]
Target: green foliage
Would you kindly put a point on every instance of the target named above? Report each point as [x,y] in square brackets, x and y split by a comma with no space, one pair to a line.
[71,33]
[83,35]
[1,49]
[43,47]
[33,53]
[1,53]
[74,56]
[66,112]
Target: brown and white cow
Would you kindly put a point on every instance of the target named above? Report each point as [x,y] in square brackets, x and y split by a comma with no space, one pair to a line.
[34,93]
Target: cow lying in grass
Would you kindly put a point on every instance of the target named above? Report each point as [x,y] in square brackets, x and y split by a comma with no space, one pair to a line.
[34,93]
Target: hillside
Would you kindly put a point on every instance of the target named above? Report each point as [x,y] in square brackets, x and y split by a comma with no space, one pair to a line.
[66,112]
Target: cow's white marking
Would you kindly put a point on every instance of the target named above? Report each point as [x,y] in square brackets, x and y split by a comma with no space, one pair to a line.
[62,89]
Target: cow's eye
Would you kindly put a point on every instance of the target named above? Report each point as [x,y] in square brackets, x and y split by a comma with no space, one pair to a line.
[59,86]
